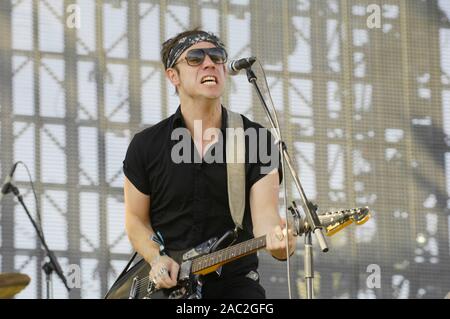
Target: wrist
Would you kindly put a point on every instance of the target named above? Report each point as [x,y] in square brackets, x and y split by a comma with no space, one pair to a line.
[156,248]
[152,255]
[155,260]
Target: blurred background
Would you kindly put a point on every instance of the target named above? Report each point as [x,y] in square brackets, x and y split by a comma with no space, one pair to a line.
[363,93]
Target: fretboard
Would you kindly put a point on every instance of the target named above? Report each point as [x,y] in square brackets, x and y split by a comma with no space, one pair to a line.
[228,254]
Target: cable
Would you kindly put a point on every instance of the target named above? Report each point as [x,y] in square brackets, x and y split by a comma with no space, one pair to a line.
[38,211]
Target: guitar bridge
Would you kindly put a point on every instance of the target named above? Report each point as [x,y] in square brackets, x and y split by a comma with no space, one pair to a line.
[151,286]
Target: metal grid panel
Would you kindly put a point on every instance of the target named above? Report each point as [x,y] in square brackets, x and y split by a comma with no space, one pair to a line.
[364,113]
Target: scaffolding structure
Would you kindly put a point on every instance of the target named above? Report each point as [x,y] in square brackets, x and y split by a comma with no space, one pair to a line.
[361,110]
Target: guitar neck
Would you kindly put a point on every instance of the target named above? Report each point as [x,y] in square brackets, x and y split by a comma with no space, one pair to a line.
[228,254]
[332,221]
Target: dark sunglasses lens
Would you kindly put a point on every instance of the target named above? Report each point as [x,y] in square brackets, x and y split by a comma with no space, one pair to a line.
[217,55]
[195,57]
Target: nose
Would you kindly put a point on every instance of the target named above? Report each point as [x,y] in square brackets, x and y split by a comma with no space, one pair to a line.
[207,63]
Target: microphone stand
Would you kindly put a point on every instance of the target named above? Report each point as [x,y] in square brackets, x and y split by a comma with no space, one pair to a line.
[52,264]
[309,208]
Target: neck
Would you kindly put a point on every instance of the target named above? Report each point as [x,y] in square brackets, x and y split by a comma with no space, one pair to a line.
[209,112]
[201,116]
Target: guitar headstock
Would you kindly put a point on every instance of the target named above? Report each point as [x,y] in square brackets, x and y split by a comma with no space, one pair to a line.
[333,221]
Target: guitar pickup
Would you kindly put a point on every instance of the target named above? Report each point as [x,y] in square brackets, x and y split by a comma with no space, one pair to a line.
[185,271]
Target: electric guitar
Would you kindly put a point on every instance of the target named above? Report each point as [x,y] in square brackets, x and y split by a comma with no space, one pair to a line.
[208,257]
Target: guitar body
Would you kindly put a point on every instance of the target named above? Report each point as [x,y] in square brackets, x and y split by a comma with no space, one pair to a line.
[135,284]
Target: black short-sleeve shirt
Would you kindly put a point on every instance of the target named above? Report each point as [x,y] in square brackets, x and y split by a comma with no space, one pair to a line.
[189,200]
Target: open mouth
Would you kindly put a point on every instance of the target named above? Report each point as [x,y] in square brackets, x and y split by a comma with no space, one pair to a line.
[209,80]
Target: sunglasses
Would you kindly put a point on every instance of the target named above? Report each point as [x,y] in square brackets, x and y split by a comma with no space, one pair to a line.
[196,57]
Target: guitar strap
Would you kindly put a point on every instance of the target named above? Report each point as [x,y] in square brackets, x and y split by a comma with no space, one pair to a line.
[235,156]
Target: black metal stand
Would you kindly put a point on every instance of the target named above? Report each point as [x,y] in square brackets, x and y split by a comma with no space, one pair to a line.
[309,208]
[52,264]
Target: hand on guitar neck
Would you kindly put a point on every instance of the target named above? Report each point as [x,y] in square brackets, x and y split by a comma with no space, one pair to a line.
[276,241]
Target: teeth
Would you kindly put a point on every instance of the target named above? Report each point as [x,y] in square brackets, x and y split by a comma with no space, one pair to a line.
[209,78]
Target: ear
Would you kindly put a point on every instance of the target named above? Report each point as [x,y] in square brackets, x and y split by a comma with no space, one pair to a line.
[173,76]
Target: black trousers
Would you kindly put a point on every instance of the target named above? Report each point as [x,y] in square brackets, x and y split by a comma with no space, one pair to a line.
[239,287]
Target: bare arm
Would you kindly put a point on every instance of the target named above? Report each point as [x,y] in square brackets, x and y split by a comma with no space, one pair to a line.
[140,231]
[265,217]
[137,222]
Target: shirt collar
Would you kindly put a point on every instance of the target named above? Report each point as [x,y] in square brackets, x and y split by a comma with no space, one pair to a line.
[178,120]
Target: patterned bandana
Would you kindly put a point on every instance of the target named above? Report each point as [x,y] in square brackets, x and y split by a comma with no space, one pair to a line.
[184,43]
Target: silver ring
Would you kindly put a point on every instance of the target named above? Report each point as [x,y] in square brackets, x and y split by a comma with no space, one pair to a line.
[162,271]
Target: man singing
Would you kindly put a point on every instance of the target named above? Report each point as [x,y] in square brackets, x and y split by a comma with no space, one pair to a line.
[187,201]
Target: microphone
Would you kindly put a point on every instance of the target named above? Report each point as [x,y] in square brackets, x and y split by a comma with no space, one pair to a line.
[234,66]
[6,182]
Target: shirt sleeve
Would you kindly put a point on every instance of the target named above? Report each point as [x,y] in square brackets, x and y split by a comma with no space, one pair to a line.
[134,166]
[266,160]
